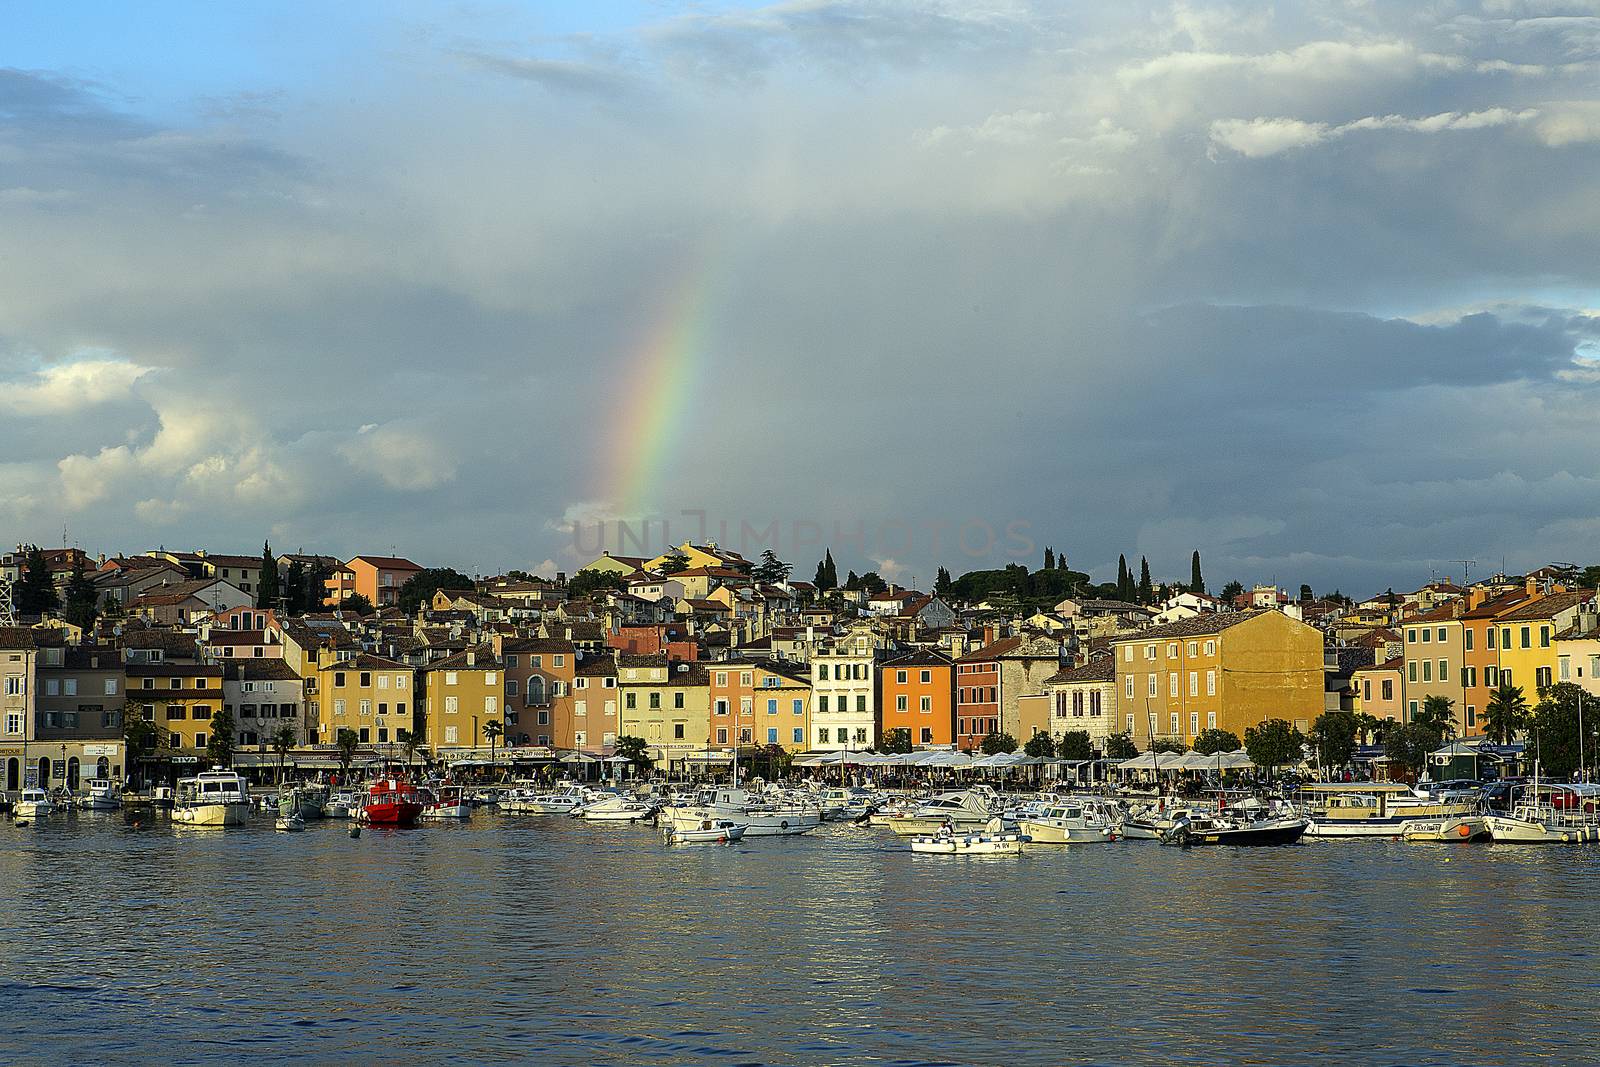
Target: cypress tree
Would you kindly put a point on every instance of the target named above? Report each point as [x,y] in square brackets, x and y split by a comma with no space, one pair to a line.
[36,592]
[1147,594]
[267,586]
[82,603]
[1049,559]
[294,589]
[1123,583]
[1197,584]
[833,570]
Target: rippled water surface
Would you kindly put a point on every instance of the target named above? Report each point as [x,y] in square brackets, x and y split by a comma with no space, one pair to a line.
[554,941]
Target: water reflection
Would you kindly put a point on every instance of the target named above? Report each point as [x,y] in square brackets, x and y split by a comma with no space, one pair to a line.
[557,941]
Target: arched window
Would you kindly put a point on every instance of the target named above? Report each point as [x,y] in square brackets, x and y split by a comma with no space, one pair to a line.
[72,772]
[102,768]
[13,774]
[535,689]
[44,772]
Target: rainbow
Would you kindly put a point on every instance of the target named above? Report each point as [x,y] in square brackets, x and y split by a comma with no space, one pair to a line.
[659,379]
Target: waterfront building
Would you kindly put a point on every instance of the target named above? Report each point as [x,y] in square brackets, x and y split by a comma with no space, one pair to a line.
[18,653]
[1436,655]
[758,704]
[1480,653]
[1085,699]
[264,696]
[1225,671]
[461,695]
[917,694]
[844,715]
[595,702]
[370,695]
[79,700]
[1528,635]
[667,704]
[179,698]
[1380,689]
[539,677]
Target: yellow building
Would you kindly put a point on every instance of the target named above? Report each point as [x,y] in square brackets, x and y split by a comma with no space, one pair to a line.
[709,556]
[667,704]
[1226,671]
[462,695]
[1578,661]
[368,694]
[1528,638]
[180,698]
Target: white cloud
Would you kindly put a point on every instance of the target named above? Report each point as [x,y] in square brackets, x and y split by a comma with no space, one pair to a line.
[403,457]
[1269,136]
[1569,122]
[62,388]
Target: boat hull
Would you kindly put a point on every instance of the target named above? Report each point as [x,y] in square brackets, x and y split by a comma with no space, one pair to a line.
[1506,829]
[28,809]
[401,814]
[974,845]
[447,811]
[1270,835]
[1045,833]
[212,815]
[1459,829]
[756,824]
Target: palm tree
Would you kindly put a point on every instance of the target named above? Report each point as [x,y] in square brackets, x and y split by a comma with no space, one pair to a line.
[1436,715]
[634,749]
[282,742]
[409,741]
[1505,714]
[347,740]
[492,730]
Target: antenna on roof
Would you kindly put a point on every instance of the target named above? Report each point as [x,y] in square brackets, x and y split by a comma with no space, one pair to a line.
[8,615]
[1465,563]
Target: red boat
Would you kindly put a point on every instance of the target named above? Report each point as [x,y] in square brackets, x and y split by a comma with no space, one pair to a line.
[392,802]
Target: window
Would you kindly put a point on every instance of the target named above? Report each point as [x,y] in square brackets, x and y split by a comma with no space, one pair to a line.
[1466,636]
[1427,670]
[1505,637]
[558,660]
[13,720]
[1427,635]
[452,735]
[1127,654]
[861,704]
[1541,676]
[199,740]
[1411,636]
[1413,709]
[111,687]
[399,681]
[900,703]
[1566,668]
[1194,723]
[677,731]
[799,736]
[926,705]
[927,676]
[1544,637]
[1388,689]
[677,699]
[338,708]
[1194,648]
[772,705]
[927,735]
[366,706]
[1444,669]
[1150,685]
[69,687]
[822,702]
[1173,719]
[744,678]
[451,705]
[630,701]
[1129,688]
[1211,720]
[1149,651]
[722,679]
[1172,684]
[1211,683]
[1491,677]
[1411,671]
[844,735]
[449,678]
[1194,683]
[822,735]
[799,706]
[655,701]
[1211,648]
[1172,648]
[338,679]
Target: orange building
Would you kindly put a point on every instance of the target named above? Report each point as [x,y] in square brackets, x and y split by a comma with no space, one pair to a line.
[978,692]
[539,677]
[759,704]
[1480,674]
[918,695]
[378,578]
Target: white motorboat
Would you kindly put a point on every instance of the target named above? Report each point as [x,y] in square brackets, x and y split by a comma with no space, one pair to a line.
[445,802]
[1375,809]
[1071,822]
[292,822]
[838,804]
[562,801]
[342,805]
[965,808]
[1456,828]
[991,841]
[761,818]
[616,809]
[214,798]
[100,794]
[32,804]
[1550,815]
[709,832]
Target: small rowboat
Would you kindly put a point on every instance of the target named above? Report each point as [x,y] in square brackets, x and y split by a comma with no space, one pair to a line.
[991,841]
[709,832]
[291,823]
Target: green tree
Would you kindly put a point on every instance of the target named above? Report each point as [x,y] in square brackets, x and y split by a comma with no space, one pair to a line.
[674,563]
[942,584]
[82,600]
[634,749]
[1408,746]
[1210,742]
[1120,746]
[357,605]
[1274,743]
[1040,745]
[283,740]
[897,740]
[219,746]
[1231,590]
[267,588]
[1147,593]
[1334,737]
[1437,715]
[827,574]
[492,730]
[1505,714]
[1197,582]
[140,737]
[35,593]
[997,742]
[1075,745]
[1049,559]
[418,589]
[852,580]
[1367,727]
[1555,733]
[347,740]
[1168,744]
[409,740]
[1125,588]
[771,570]
[1305,594]
[316,588]
[294,589]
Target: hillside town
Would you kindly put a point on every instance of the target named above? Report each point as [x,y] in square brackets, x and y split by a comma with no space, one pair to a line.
[168,661]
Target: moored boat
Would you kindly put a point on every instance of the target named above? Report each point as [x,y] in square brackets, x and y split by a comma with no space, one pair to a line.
[391,802]
[33,803]
[100,794]
[1072,822]
[212,799]
[617,809]
[962,809]
[709,832]
[760,817]
[1546,814]
[1456,828]
[1225,830]
[291,822]
[445,802]
[1375,809]
[990,841]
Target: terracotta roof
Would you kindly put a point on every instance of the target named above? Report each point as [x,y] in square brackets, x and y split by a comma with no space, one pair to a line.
[1198,626]
[16,637]
[393,563]
[1494,607]
[1548,607]
[1099,669]
[919,658]
[992,651]
[260,670]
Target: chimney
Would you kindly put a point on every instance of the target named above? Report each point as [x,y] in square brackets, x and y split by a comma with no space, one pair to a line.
[1532,586]
[472,658]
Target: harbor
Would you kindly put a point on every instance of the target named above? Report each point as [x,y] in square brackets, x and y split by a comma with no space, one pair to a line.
[556,940]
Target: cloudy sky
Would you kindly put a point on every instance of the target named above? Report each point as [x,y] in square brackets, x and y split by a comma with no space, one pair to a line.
[1307,286]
